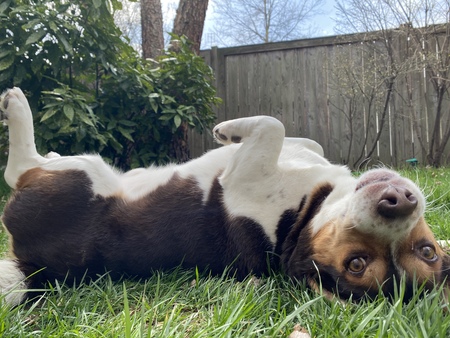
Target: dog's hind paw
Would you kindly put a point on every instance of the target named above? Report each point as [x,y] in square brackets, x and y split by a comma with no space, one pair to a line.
[223,135]
[12,101]
[235,131]
[4,103]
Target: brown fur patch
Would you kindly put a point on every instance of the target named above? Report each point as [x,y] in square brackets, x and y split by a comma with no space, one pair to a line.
[31,177]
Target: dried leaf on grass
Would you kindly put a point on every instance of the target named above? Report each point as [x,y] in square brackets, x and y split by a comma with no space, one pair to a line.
[299,332]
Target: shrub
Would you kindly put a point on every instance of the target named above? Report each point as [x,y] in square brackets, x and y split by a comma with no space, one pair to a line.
[89,89]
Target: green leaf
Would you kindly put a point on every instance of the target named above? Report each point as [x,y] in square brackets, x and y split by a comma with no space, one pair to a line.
[4,5]
[156,135]
[36,36]
[125,133]
[111,125]
[69,112]
[36,65]
[154,105]
[165,117]
[127,123]
[61,8]
[177,120]
[6,75]
[116,145]
[48,114]
[85,119]
[6,62]
[68,48]
[53,26]
[6,53]
[97,3]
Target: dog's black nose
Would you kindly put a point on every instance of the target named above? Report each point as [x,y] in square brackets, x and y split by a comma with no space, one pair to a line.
[396,202]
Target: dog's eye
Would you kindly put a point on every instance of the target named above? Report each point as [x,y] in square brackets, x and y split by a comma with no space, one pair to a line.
[428,253]
[356,265]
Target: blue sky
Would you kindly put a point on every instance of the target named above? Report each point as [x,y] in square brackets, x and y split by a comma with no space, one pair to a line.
[324,22]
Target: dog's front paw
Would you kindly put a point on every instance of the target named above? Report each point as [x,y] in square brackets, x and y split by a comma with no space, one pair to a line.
[12,102]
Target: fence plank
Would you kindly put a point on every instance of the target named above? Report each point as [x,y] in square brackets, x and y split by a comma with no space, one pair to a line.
[299,83]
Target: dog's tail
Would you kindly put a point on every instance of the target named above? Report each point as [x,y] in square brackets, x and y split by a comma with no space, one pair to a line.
[13,283]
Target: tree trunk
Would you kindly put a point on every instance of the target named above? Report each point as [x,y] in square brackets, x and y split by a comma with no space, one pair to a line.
[190,20]
[152,28]
[179,148]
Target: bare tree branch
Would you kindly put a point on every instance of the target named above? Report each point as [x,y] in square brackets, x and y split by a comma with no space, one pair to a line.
[240,22]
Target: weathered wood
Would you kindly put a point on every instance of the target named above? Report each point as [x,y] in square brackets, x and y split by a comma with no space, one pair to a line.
[300,83]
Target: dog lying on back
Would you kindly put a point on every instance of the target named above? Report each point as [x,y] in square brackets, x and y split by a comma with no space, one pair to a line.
[261,202]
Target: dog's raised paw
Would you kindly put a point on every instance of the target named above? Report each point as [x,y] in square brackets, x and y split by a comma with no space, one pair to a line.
[223,133]
[236,131]
[12,101]
[4,102]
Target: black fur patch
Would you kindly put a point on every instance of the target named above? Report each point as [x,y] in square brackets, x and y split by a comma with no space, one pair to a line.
[58,225]
[296,248]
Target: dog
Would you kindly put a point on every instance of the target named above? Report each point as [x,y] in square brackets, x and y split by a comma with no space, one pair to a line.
[262,202]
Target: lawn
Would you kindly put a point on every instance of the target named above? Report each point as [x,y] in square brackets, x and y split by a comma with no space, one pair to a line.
[189,303]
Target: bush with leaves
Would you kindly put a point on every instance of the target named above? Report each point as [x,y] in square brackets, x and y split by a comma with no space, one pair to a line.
[90,89]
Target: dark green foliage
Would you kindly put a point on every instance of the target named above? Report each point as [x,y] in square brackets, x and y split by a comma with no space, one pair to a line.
[90,91]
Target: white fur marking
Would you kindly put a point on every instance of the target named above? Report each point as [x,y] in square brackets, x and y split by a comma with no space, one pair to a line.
[12,283]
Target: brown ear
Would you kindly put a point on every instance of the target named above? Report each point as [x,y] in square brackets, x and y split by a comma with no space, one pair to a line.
[297,260]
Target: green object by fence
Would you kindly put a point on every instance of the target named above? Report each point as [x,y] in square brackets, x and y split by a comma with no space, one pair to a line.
[412,161]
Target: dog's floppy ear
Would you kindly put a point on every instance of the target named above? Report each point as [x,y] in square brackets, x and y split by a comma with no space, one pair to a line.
[296,257]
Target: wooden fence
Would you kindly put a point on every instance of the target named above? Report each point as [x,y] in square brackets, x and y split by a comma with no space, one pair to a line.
[301,83]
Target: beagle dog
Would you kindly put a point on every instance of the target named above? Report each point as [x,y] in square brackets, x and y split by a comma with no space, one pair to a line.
[261,202]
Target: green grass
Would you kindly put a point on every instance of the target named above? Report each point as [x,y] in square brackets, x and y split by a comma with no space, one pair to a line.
[184,303]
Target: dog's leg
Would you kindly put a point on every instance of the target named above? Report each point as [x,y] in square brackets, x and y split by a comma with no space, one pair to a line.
[251,179]
[23,155]
[22,149]
[13,287]
[262,138]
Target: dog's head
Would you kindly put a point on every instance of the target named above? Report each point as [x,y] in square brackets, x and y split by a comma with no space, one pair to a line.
[358,239]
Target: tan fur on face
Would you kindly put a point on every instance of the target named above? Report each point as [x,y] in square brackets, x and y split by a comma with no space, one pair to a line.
[334,247]
[408,255]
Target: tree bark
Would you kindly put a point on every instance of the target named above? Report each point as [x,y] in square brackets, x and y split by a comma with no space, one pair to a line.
[152,28]
[190,20]
[179,148]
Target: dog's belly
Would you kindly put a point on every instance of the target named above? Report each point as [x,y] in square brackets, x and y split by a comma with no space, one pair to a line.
[58,224]
[296,153]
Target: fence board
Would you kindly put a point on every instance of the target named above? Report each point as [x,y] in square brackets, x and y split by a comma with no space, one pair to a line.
[299,121]
[298,83]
